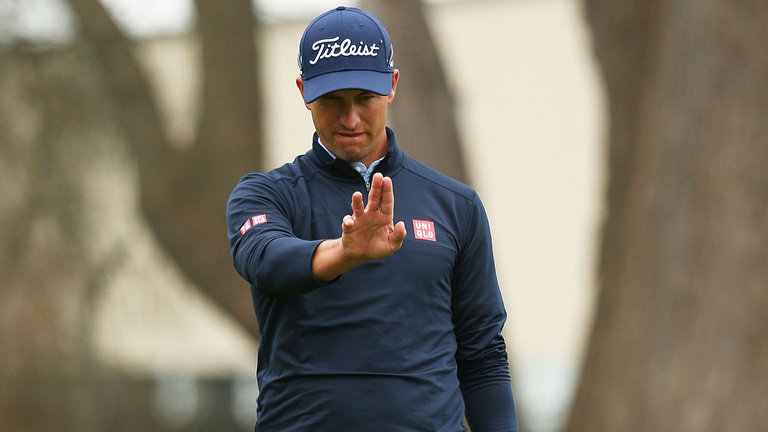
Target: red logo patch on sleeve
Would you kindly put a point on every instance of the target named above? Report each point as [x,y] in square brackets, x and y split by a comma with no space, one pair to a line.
[252,222]
[258,219]
[424,230]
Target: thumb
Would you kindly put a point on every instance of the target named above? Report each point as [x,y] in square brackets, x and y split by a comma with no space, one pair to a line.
[398,235]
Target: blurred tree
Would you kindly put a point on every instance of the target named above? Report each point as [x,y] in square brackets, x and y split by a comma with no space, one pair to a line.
[184,190]
[423,113]
[680,339]
[56,136]
[66,115]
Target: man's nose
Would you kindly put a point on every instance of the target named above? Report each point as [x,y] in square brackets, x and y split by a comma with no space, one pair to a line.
[350,117]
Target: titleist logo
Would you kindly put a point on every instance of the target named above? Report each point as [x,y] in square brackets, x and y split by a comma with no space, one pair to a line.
[329,48]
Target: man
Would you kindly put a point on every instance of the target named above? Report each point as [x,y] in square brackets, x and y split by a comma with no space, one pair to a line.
[367,324]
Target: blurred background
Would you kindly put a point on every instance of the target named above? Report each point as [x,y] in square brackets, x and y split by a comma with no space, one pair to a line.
[620,148]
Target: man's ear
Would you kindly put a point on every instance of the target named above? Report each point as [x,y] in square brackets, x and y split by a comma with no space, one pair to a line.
[395,77]
[300,85]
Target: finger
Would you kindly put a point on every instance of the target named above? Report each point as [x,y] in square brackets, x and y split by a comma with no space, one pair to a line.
[357,204]
[347,223]
[374,196]
[387,196]
[398,235]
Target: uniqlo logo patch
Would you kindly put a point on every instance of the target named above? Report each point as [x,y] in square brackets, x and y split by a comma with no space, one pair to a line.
[252,222]
[246,226]
[424,230]
[258,219]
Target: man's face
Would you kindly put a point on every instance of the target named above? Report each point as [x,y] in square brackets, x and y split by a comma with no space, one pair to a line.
[350,123]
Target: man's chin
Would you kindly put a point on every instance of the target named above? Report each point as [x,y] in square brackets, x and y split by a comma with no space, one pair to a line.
[351,146]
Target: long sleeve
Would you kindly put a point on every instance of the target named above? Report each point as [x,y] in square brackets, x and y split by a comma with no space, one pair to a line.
[479,315]
[264,248]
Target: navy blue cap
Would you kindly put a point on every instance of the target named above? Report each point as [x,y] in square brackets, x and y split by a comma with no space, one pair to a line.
[345,48]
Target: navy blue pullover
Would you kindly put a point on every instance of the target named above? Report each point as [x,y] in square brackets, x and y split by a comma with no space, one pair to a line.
[407,343]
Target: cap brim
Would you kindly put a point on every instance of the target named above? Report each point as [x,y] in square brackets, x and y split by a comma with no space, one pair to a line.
[373,81]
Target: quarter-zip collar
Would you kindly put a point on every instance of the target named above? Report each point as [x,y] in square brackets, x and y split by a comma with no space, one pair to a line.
[319,157]
[365,172]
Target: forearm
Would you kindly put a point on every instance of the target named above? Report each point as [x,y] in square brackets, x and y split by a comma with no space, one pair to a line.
[490,407]
[487,390]
[329,261]
[280,266]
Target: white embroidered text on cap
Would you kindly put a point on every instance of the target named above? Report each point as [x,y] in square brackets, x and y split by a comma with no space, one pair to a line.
[326,50]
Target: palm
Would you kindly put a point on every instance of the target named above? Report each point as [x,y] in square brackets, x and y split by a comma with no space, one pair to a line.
[369,232]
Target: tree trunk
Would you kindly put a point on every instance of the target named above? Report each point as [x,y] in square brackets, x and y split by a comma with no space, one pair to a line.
[423,111]
[184,190]
[680,339]
[62,242]
[54,124]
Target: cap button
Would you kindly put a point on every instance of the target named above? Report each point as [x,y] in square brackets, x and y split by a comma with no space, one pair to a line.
[340,8]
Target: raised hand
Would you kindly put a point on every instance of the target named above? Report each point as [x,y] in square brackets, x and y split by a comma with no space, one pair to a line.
[368,233]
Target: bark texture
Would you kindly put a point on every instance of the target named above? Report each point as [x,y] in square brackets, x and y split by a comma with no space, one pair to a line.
[680,339]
